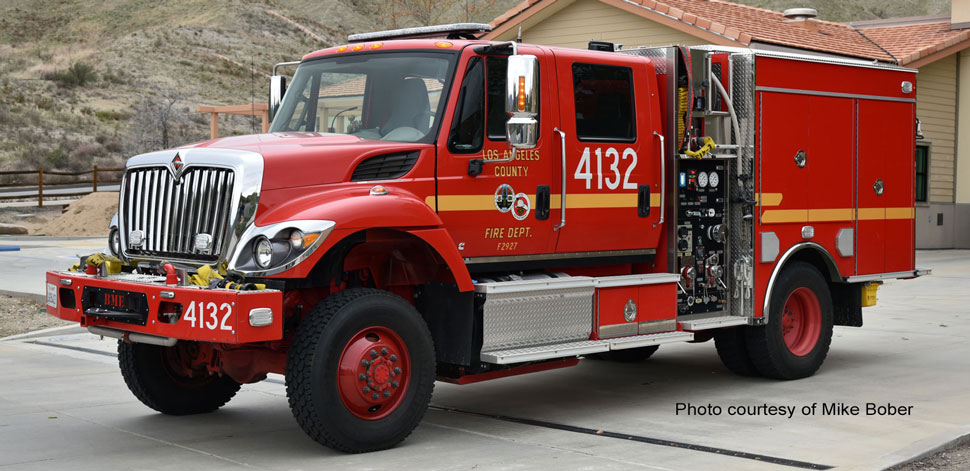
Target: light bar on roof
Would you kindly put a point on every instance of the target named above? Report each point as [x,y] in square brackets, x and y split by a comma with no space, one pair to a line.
[422,32]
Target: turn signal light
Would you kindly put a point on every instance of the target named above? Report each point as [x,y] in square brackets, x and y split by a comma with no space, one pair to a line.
[443,44]
[522,93]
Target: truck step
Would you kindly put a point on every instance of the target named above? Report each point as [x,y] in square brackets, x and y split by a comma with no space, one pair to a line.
[713,323]
[585,347]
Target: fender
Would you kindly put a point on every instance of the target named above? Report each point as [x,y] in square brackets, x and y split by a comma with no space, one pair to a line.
[833,270]
[354,209]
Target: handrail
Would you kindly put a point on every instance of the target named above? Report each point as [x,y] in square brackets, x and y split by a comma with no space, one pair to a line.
[562,204]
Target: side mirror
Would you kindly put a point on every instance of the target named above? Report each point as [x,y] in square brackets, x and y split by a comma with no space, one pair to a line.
[277,87]
[522,101]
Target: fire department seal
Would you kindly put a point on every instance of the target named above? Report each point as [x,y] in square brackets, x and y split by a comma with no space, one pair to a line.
[521,206]
[504,196]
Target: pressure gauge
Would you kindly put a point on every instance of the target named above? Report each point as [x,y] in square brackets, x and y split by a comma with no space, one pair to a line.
[713,180]
[702,180]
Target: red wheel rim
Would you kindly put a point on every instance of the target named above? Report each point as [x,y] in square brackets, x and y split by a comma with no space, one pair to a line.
[801,321]
[374,373]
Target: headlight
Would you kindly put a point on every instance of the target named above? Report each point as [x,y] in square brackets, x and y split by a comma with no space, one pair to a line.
[114,242]
[263,252]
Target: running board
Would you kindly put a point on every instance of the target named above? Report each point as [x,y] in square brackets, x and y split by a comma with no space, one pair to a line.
[713,323]
[585,347]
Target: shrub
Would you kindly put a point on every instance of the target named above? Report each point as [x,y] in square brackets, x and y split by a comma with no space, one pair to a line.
[56,158]
[78,74]
[108,115]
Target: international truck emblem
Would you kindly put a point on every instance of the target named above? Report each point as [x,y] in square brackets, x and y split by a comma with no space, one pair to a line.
[175,167]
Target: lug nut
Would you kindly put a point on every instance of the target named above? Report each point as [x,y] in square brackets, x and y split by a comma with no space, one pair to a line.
[397,371]
[394,384]
[393,357]
[366,390]
[383,351]
[375,396]
[362,377]
[364,363]
[387,394]
[373,353]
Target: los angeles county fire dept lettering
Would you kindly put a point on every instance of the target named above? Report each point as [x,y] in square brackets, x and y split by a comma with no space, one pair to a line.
[511,170]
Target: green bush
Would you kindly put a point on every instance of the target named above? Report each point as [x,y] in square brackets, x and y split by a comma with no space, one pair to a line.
[78,74]
[107,115]
[56,158]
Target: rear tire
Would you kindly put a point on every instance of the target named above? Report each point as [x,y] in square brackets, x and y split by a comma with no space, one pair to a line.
[360,371]
[796,339]
[628,355]
[733,351]
[162,378]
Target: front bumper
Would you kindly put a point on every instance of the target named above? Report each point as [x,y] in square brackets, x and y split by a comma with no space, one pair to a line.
[180,312]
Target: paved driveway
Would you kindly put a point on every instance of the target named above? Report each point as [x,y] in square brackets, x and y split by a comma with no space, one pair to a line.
[63,405]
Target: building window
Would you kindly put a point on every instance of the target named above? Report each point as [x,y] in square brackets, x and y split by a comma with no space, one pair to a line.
[922,172]
[604,102]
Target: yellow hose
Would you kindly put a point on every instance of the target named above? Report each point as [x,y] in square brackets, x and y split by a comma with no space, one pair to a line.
[681,110]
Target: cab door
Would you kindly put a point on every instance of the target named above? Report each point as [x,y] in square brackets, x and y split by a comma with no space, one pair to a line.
[504,210]
[609,113]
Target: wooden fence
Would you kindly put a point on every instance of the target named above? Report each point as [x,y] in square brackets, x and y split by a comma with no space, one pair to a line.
[43,179]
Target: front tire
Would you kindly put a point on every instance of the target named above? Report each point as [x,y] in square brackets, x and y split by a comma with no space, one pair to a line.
[360,371]
[167,380]
[796,339]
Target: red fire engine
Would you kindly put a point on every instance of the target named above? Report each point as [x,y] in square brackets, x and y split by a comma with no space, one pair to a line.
[428,206]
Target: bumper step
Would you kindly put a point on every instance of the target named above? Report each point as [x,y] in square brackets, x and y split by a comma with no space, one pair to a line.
[714,323]
[585,347]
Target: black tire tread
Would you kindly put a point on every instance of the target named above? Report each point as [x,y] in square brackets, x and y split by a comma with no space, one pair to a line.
[629,355]
[732,349]
[299,373]
[142,378]
[763,348]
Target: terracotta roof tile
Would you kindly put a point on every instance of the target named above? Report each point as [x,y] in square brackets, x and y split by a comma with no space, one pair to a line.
[912,42]
[750,24]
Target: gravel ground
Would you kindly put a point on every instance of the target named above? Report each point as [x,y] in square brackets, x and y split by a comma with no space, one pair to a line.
[955,459]
[18,316]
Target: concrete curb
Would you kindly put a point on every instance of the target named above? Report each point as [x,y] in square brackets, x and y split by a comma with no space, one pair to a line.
[909,454]
[40,298]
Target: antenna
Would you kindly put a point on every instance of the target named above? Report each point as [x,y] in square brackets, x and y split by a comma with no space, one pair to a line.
[252,85]
[518,38]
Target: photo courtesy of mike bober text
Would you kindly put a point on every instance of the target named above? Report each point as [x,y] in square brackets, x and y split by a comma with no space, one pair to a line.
[788,411]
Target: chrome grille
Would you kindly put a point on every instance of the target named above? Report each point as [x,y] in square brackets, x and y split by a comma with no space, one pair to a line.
[171,212]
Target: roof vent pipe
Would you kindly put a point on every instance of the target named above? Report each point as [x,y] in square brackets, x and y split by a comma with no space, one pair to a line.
[800,14]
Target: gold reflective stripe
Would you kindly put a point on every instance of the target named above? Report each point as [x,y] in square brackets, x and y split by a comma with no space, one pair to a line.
[825,215]
[769,199]
[575,201]
[776,216]
[900,213]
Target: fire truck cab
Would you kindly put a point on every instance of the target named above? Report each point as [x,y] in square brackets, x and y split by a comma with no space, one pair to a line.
[432,206]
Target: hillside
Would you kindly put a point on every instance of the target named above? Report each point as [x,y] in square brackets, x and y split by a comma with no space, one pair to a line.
[87,82]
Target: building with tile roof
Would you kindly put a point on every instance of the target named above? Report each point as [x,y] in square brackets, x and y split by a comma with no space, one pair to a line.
[937,46]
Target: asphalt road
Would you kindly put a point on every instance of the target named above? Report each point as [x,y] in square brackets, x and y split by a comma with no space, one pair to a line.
[64,405]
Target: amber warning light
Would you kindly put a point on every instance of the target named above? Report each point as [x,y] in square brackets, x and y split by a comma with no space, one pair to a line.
[522,93]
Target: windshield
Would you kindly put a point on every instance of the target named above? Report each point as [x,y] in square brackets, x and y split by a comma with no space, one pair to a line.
[387,96]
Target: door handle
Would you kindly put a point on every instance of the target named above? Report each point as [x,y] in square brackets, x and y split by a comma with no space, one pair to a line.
[663,178]
[562,205]
[542,202]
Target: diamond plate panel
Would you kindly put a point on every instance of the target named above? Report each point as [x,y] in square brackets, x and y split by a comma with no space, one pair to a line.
[662,53]
[514,320]
[741,228]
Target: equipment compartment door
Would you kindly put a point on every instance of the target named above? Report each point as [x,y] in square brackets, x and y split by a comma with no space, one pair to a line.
[609,112]
[886,186]
[496,213]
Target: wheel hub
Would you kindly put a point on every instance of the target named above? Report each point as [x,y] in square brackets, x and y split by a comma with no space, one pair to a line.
[373,375]
[801,321]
